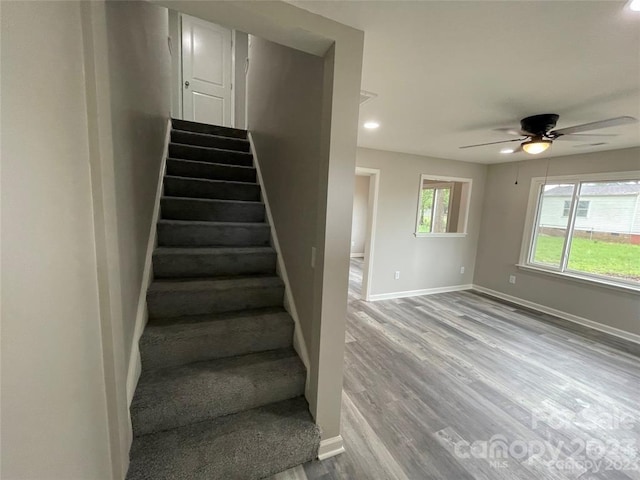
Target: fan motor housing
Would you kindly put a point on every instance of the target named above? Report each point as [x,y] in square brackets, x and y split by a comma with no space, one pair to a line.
[539,125]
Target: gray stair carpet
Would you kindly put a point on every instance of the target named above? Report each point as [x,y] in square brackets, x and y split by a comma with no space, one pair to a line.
[221,390]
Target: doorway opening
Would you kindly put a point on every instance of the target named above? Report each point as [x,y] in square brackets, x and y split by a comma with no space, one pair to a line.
[365,203]
[209,66]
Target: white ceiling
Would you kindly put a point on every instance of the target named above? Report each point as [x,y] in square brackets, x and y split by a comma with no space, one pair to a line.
[449,72]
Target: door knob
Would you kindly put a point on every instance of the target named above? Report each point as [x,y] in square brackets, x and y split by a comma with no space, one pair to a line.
[186,84]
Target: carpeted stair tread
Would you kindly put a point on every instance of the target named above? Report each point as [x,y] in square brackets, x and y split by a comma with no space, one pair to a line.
[184,208]
[197,127]
[176,186]
[206,223]
[194,262]
[210,154]
[204,233]
[214,171]
[249,445]
[205,337]
[211,250]
[208,140]
[213,284]
[216,316]
[175,297]
[177,396]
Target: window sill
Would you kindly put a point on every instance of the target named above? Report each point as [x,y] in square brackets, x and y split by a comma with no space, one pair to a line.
[582,279]
[453,235]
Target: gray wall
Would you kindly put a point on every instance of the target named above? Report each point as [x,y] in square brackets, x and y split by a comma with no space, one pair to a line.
[54,413]
[285,107]
[360,209]
[423,262]
[500,240]
[140,70]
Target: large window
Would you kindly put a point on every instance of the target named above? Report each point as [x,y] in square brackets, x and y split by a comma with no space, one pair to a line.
[587,227]
[443,205]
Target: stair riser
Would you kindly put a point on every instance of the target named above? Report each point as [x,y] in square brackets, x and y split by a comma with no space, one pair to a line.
[202,154]
[175,304]
[185,209]
[211,235]
[217,339]
[180,187]
[210,171]
[191,266]
[208,129]
[212,399]
[188,138]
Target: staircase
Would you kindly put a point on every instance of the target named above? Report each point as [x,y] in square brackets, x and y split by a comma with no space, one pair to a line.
[221,390]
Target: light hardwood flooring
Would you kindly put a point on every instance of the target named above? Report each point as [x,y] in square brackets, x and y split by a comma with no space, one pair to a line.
[426,377]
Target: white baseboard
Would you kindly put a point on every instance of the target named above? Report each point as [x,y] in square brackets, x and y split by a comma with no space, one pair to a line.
[299,344]
[417,293]
[135,366]
[357,255]
[585,322]
[330,447]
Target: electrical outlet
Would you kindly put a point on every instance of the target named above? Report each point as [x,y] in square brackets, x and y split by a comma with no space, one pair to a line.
[512,279]
[461,270]
[397,275]
[353,243]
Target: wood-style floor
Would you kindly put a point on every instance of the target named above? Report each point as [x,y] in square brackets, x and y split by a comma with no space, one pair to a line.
[431,381]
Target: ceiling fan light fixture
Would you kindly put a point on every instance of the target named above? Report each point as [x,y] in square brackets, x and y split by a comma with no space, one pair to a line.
[536,145]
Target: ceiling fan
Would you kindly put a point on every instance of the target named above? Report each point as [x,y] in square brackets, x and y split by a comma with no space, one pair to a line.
[537,135]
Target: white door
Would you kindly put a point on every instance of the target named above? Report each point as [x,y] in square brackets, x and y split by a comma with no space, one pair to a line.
[206,72]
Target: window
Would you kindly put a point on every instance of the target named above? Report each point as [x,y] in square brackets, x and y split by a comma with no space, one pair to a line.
[587,226]
[443,205]
[581,211]
[434,208]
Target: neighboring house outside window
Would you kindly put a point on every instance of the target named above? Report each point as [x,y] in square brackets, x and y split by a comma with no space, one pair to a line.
[586,226]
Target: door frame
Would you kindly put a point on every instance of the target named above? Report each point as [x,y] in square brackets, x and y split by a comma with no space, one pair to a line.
[372,215]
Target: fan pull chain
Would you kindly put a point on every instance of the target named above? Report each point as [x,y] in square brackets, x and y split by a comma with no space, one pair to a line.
[546,173]
[517,172]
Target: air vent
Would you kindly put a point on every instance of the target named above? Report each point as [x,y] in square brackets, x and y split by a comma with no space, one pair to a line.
[366,96]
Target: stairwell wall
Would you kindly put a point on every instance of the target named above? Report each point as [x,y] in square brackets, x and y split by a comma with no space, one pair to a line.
[140,93]
[285,103]
[127,68]
[53,406]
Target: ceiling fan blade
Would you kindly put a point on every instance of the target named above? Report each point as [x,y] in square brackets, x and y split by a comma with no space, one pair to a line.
[611,122]
[575,137]
[494,143]
[510,131]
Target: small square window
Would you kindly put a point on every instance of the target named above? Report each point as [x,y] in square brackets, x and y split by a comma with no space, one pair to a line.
[443,206]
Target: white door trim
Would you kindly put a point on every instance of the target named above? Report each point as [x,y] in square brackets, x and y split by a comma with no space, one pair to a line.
[372,215]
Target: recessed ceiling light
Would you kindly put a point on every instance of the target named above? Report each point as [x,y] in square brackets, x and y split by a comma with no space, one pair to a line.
[507,150]
[371,125]
[634,5]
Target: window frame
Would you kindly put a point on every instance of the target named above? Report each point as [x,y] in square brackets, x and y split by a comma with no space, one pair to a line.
[467,198]
[534,209]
